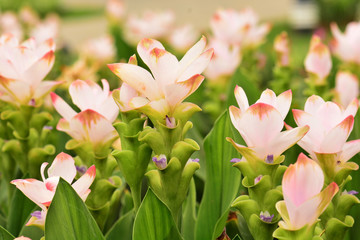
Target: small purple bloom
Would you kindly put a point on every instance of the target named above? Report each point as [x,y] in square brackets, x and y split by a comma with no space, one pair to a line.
[352,192]
[81,169]
[194,159]
[170,122]
[36,214]
[269,158]
[257,179]
[266,217]
[32,102]
[48,127]
[235,160]
[160,161]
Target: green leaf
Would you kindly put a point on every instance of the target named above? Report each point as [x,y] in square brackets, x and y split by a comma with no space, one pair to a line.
[222,180]
[69,218]
[20,209]
[5,235]
[154,220]
[189,213]
[122,228]
[236,238]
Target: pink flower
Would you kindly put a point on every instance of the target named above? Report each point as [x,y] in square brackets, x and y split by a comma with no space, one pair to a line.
[22,69]
[318,60]
[115,9]
[9,24]
[282,49]
[225,60]
[347,88]
[260,125]
[346,45]
[42,192]
[22,238]
[183,38]
[304,201]
[330,126]
[171,80]
[239,27]
[150,25]
[47,29]
[98,111]
[99,49]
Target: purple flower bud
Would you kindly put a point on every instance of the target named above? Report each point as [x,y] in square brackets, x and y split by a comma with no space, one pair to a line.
[194,159]
[352,192]
[235,160]
[48,127]
[269,158]
[160,161]
[36,214]
[32,102]
[170,122]
[266,217]
[81,169]
[257,179]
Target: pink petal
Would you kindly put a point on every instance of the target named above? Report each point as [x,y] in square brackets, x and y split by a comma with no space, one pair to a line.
[37,72]
[335,139]
[349,150]
[283,102]
[62,107]
[176,93]
[81,186]
[241,98]
[313,104]
[18,90]
[145,46]
[63,166]
[347,87]
[137,78]
[35,190]
[44,88]
[192,54]
[126,94]
[351,108]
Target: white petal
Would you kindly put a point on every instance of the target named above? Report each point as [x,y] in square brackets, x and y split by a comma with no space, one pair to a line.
[63,166]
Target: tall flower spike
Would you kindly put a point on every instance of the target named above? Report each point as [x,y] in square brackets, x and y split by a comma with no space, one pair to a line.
[303,199]
[346,45]
[260,125]
[42,192]
[171,80]
[318,60]
[282,49]
[330,126]
[22,69]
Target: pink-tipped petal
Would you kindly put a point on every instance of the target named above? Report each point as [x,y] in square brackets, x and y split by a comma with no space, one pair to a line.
[37,72]
[283,102]
[193,53]
[349,150]
[63,166]
[81,186]
[241,98]
[313,104]
[145,46]
[62,107]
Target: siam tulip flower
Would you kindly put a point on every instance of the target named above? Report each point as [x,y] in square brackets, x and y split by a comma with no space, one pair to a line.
[304,201]
[346,45]
[318,60]
[330,126]
[225,60]
[98,111]
[42,192]
[260,125]
[22,69]
[9,24]
[183,38]
[99,49]
[115,9]
[239,27]
[49,28]
[22,238]
[171,80]
[150,25]
[28,16]
[282,49]
[346,88]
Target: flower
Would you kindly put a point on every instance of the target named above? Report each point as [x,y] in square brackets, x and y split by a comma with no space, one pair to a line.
[9,24]
[346,88]
[42,192]
[22,238]
[98,111]
[49,28]
[22,69]
[226,59]
[281,46]
[115,9]
[304,201]
[150,25]
[346,45]
[100,49]
[330,126]
[239,27]
[318,60]
[171,80]
[260,125]
[182,38]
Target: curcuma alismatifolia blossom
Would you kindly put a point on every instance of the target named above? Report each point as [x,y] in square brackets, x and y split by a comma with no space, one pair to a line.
[260,125]
[330,126]
[346,88]
[318,60]
[42,192]
[239,27]
[282,49]
[98,112]
[22,69]
[304,201]
[346,45]
[160,92]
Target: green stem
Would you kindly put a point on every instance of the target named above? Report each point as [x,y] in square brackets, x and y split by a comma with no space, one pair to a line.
[136,195]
